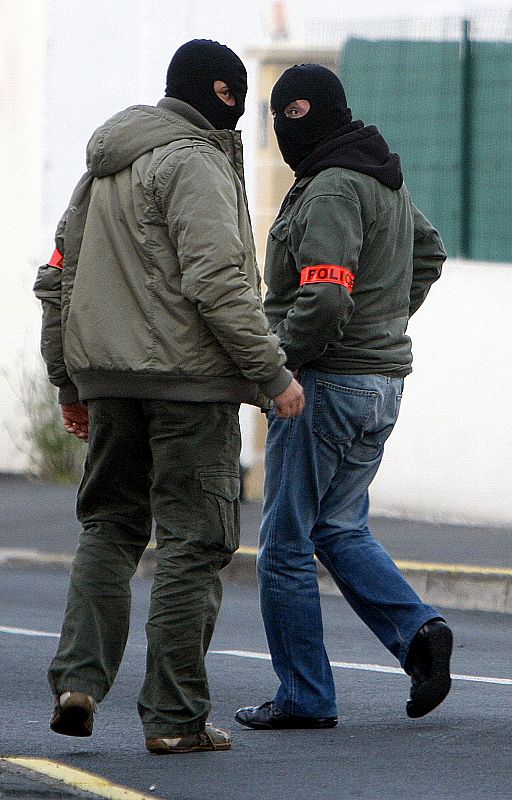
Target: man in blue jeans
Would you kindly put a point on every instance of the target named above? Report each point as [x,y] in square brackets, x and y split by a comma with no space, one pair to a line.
[349,260]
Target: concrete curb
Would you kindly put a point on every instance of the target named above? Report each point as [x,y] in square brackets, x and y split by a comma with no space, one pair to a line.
[457,586]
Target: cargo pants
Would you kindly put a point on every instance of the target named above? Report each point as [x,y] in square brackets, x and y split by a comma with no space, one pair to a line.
[176,463]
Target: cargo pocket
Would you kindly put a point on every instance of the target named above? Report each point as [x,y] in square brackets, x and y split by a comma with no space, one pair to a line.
[221,492]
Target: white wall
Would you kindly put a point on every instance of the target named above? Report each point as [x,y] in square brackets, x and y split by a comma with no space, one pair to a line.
[64,68]
[450,456]
[22,56]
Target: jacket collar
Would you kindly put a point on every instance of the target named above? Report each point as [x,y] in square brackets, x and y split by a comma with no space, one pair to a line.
[230,142]
[186,111]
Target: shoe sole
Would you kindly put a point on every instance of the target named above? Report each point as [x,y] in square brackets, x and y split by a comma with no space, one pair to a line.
[160,748]
[295,725]
[72,721]
[431,693]
[169,751]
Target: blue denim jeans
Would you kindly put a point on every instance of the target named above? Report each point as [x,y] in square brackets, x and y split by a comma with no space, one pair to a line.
[317,472]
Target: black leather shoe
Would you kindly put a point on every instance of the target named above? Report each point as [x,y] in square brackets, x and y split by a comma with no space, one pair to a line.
[269,717]
[428,664]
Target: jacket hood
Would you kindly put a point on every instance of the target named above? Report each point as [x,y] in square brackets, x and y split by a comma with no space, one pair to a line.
[139,129]
[358,147]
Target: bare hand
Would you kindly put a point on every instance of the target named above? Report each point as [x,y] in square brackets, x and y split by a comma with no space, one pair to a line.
[76,419]
[290,403]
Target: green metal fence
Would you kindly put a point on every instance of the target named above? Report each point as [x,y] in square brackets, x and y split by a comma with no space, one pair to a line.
[446,108]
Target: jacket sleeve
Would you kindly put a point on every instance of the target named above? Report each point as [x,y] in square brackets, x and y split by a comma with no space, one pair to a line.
[200,202]
[327,232]
[428,258]
[48,289]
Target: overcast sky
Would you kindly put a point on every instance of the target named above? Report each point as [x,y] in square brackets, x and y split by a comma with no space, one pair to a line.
[247,21]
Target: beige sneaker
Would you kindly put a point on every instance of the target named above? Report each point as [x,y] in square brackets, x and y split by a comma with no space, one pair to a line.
[73,714]
[209,739]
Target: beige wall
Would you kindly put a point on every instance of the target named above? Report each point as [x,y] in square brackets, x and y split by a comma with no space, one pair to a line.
[273,176]
[273,179]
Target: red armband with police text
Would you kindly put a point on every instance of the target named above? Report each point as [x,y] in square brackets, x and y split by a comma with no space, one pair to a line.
[328,273]
[56,260]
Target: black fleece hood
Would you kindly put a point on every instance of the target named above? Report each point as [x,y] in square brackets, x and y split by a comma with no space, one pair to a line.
[191,74]
[327,136]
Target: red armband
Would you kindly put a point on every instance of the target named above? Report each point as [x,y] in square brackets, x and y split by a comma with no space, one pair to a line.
[56,260]
[328,273]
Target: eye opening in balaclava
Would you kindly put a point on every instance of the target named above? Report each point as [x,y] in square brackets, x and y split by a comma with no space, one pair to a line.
[192,72]
[328,114]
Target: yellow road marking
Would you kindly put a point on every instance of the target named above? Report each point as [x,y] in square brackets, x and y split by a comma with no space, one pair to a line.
[78,778]
[246,550]
[468,569]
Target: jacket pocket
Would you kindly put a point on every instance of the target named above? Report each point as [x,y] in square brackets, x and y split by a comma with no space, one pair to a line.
[221,492]
[280,229]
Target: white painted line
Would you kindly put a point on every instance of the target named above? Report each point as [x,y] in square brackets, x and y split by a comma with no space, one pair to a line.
[366,667]
[22,555]
[28,632]
[266,657]
[48,634]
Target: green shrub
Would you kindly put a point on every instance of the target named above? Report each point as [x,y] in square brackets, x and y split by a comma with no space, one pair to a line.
[53,454]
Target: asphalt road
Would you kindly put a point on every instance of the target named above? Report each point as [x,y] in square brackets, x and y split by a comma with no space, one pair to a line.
[462,750]
[42,516]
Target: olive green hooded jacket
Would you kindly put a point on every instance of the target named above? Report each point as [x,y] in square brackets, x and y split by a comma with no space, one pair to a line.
[159,292]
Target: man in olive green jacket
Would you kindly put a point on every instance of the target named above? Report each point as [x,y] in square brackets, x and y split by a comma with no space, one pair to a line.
[153,332]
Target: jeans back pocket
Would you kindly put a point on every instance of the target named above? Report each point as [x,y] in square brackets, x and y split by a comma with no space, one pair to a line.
[341,413]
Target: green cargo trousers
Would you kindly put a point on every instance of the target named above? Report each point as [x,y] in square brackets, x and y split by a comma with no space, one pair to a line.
[176,463]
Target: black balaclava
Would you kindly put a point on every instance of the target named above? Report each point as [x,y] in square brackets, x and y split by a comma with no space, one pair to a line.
[191,74]
[327,136]
[328,113]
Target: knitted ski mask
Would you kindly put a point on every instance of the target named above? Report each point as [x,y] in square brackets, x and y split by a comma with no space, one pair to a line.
[191,74]
[328,114]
